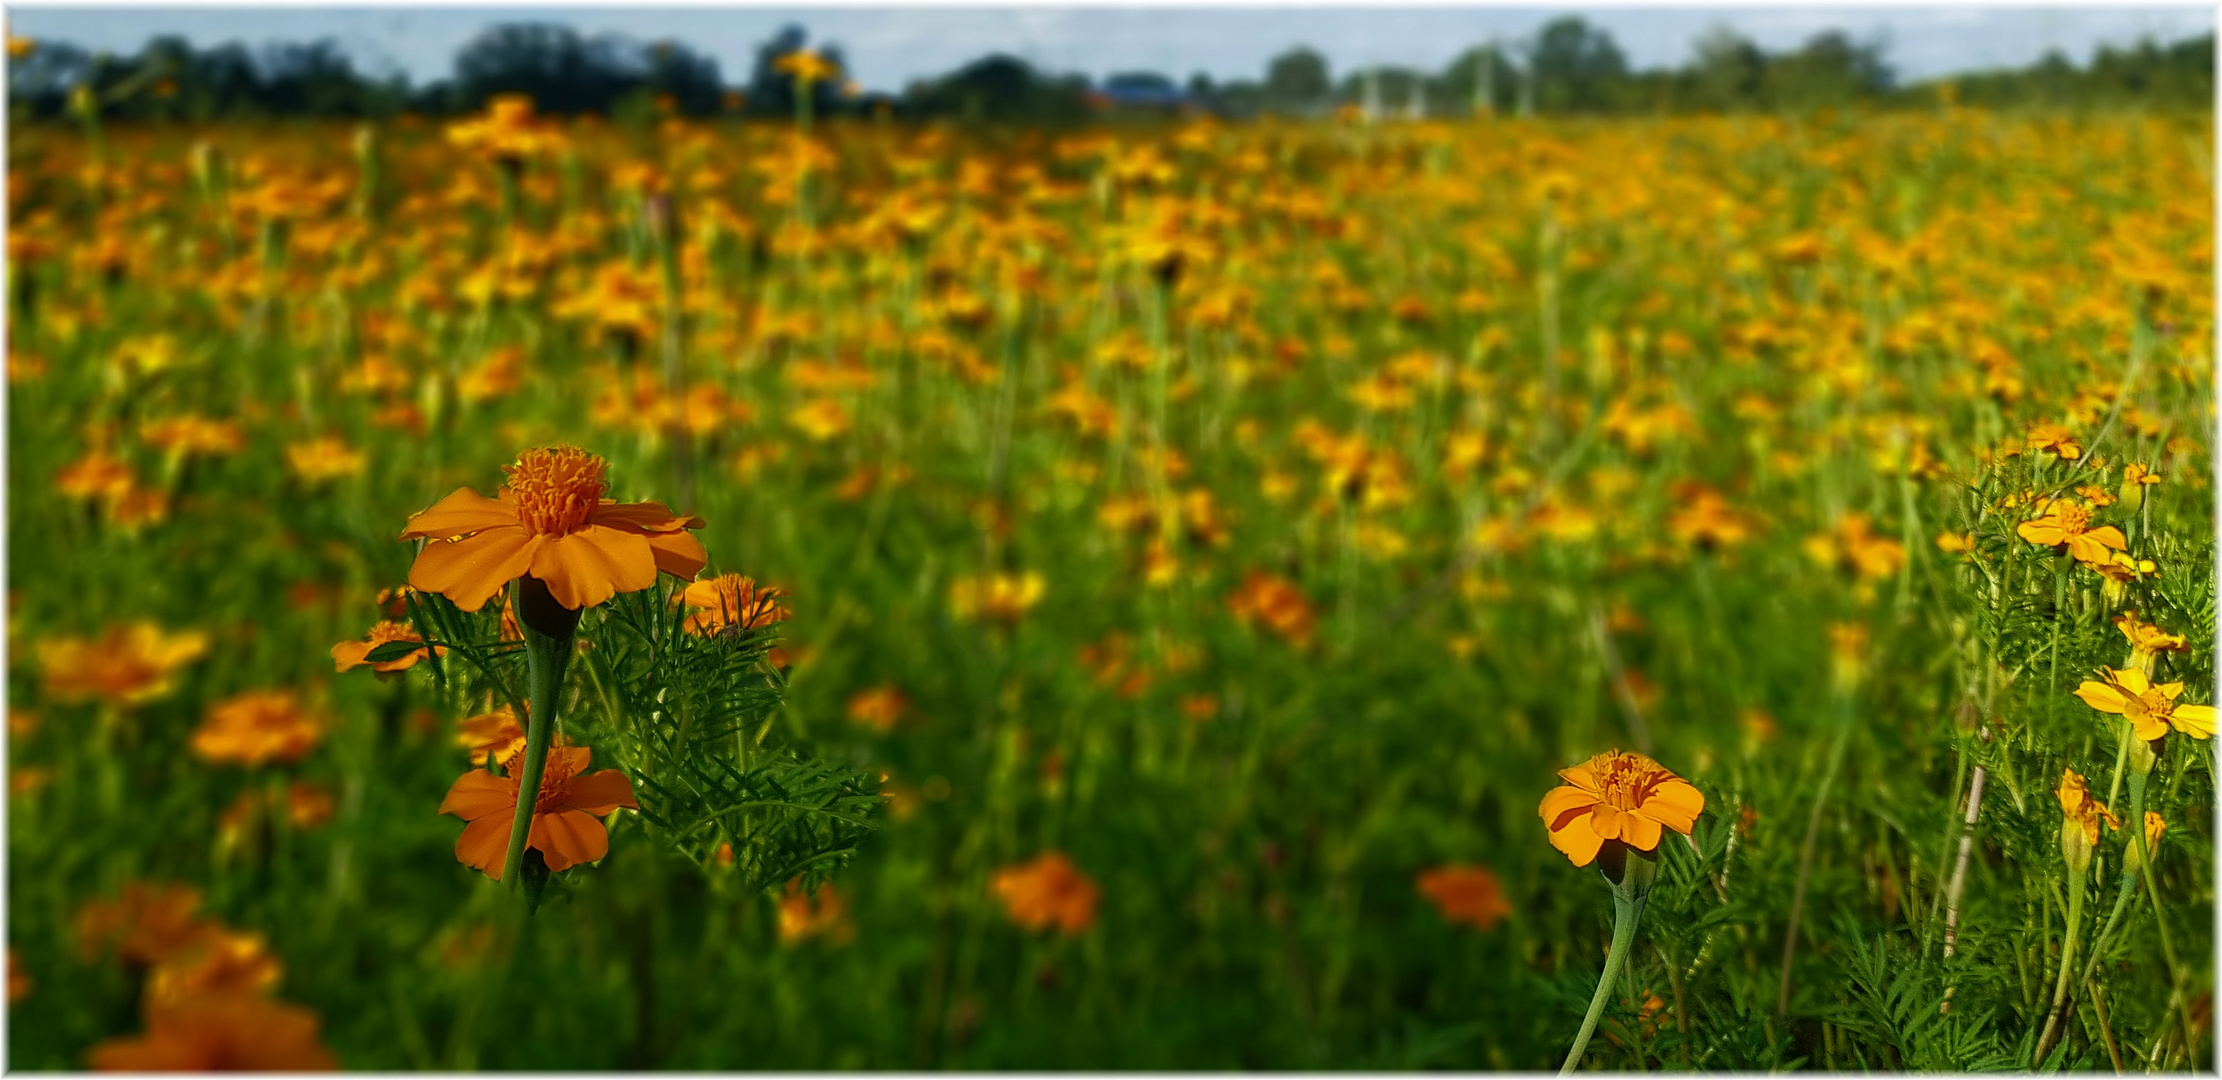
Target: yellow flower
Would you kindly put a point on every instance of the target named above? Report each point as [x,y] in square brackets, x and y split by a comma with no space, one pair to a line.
[2146,640]
[2080,818]
[2150,709]
[2065,523]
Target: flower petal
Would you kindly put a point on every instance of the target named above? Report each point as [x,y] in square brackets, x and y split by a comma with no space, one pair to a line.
[349,655]
[678,554]
[1583,777]
[1579,842]
[642,517]
[2102,696]
[1675,804]
[471,570]
[479,793]
[465,511]
[2046,531]
[1639,832]
[599,793]
[2109,536]
[567,838]
[2196,721]
[484,844]
[588,567]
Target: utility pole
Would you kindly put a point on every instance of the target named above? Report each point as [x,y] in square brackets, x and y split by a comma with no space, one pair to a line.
[1527,87]
[1416,103]
[1485,88]
[1373,95]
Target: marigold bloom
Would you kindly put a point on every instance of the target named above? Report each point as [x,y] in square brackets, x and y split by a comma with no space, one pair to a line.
[823,915]
[2147,640]
[1619,798]
[349,655]
[127,665]
[507,133]
[257,727]
[2067,524]
[880,708]
[323,460]
[564,826]
[1048,891]
[146,923]
[2055,438]
[223,1033]
[551,522]
[1003,597]
[1857,548]
[730,604]
[97,475]
[2151,709]
[1466,894]
[1277,603]
[1706,520]
[496,734]
[2081,816]
[222,962]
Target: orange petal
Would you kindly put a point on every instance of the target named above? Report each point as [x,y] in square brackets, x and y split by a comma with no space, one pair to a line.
[1607,820]
[1583,777]
[479,793]
[466,511]
[1562,801]
[1675,804]
[593,564]
[484,844]
[2042,531]
[599,793]
[2132,680]
[471,570]
[1579,842]
[678,554]
[1640,832]
[567,838]
[642,516]
[2110,536]
[349,655]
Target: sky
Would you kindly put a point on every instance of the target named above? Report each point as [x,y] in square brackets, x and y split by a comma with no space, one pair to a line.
[888,47]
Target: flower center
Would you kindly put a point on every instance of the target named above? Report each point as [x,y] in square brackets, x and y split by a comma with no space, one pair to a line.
[557,488]
[1627,782]
[2074,518]
[555,780]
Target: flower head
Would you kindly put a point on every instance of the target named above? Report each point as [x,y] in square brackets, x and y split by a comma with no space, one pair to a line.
[731,604]
[495,735]
[126,665]
[146,923]
[564,826]
[2081,816]
[349,655]
[2151,709]
[220,1033]
[2066,524]
[1466,894]
[2147,640]
[823,914]
[1048,891]
[1003,597]
[550,522]
[1617,798]
[256,727]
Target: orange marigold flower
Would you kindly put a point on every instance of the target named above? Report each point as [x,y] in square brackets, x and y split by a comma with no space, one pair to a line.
[2055,438]
[564,826]
[1706,520]
[823,915]
[127,665]
[97,475]
[2151,709]
[2081,816]
[146,924]
[1277,603]
[2067,524]
[1857,548]
[496,734]
[221,962]
[2147,639]
[1621,799]
[1048,891]
[551,522]
[1466,894]
[223,1033]
[323,460]
[257,727]
[732,603]
[880,708]
[349,655]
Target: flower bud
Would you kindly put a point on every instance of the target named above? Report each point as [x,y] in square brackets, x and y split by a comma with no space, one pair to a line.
[2075,846]
[2155,825]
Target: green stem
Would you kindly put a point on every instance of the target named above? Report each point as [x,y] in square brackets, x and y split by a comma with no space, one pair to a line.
[2067,964]
[1626,912]
[545,656]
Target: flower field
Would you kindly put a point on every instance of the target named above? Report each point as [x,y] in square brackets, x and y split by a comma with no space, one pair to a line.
[1182,596]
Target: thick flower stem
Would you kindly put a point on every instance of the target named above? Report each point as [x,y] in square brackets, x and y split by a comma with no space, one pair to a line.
[2067,966]
[549,630]
[1627,911]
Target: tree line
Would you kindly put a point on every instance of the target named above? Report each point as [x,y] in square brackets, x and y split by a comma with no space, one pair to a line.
[1568,66]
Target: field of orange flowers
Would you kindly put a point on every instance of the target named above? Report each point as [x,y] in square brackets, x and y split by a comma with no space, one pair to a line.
[1726,593]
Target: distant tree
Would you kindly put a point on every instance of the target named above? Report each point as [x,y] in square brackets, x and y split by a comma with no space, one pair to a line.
[771,91]
[1830,69]
[1297,81]
[1577,66]
[1728,72]
[998,88]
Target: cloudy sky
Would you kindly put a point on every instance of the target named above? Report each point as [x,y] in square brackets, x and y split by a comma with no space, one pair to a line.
[887,47]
